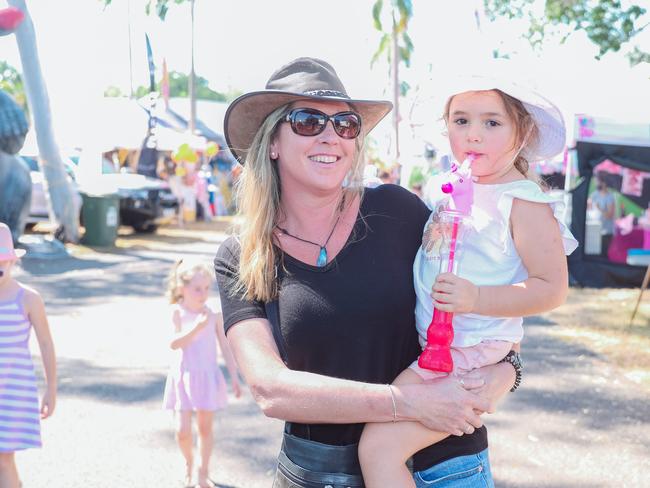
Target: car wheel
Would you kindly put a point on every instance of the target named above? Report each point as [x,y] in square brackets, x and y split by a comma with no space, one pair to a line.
[145,228]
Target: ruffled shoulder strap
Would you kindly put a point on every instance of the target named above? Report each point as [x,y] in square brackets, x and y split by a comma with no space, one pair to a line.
[530,191]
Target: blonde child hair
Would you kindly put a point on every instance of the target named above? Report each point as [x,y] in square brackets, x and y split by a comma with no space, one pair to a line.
[181,274]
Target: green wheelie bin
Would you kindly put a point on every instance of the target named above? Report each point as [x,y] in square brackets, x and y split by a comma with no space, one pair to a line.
[101,218]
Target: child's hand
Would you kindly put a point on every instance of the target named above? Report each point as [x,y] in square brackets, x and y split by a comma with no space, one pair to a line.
[453,294]
[47,404]
[202,319]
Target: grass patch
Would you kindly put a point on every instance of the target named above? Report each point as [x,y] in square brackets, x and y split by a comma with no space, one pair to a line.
[600,320]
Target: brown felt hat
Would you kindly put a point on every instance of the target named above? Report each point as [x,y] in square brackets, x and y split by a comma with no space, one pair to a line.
[301,79]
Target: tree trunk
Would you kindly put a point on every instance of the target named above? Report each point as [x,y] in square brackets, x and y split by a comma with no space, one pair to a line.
[395,58]
[58,185]
[191,80]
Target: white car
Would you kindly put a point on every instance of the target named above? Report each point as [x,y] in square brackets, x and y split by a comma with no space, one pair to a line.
[39,210]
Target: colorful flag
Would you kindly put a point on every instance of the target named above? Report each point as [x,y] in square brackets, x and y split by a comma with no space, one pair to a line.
[632,182]
[164,84]
[152,67]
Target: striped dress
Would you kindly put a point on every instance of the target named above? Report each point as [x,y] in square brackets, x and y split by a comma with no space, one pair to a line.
[19,406]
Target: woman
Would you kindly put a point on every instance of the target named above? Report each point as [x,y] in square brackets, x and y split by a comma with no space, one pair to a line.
[326,267]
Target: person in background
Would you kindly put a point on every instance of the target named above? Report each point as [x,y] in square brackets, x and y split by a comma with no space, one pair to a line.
[21,309]
[195,384]
[603,200]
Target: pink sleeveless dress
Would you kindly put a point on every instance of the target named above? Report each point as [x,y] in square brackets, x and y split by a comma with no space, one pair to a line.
[20,426]
[195,381]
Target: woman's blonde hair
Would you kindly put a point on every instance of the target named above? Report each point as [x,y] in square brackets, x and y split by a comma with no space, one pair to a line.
[258,194]
[182,272]
[526,131]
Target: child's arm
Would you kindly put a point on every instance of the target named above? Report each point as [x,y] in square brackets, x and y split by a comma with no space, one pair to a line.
[180,340]
[538,241]
[35,310]
[227,355]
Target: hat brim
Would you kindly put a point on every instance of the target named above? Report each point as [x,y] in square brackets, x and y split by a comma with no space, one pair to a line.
[246,114]
[15,254]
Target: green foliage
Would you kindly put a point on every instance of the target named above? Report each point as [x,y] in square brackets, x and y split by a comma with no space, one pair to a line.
[12,83]
[160,6]
[607,23]
[417,177]
[178,87]
[401,12]
[113,91]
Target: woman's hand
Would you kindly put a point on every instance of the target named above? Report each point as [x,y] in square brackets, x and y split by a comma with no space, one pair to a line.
[453,294]
[496,379]
[444,404]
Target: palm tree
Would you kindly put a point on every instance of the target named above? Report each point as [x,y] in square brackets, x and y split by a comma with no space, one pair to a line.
[396,44]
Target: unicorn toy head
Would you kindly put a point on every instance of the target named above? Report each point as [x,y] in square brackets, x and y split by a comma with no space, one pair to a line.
[460,187]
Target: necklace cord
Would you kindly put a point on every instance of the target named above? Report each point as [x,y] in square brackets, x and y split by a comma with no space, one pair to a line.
[323,249]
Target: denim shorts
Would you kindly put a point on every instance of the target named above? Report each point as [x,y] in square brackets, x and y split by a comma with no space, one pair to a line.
[471,471]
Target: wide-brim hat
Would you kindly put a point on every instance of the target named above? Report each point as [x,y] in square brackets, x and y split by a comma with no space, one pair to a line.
[301,79]
[551,137]
[7,251]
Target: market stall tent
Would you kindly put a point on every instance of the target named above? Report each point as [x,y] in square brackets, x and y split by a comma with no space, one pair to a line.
[618,155]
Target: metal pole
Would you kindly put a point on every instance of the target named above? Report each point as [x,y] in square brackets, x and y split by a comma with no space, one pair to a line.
[191,79]
[396,90]
[128,21]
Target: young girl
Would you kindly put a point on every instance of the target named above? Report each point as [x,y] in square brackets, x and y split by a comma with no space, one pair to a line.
[513,262]
[20,309]
[195,382]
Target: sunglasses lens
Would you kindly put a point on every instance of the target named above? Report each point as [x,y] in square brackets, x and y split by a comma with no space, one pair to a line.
[308,122]
[347,125]
[311,122]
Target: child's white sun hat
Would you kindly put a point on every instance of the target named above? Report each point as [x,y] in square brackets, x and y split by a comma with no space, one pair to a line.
[551,138]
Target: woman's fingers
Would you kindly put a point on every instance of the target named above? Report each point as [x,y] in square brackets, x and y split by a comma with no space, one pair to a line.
[445,405]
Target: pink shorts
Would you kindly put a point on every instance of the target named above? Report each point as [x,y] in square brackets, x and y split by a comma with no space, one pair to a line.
[468,358]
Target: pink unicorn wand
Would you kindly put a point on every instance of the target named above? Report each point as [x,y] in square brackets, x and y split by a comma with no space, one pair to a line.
[436,355]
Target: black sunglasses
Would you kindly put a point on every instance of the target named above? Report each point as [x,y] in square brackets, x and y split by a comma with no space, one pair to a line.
[311,122]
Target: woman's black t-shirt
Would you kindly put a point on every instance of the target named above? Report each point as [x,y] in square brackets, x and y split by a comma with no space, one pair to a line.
[354,317]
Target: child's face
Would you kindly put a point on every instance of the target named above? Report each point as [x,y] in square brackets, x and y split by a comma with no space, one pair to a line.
[197,290]
[480,126]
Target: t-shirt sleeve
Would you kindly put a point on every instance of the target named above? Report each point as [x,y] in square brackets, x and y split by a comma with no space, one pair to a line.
[234,306]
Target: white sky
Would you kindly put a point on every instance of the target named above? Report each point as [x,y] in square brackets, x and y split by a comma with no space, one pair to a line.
[238,44]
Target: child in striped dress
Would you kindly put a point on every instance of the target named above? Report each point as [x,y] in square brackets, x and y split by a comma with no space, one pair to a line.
[21,308]
[195,382]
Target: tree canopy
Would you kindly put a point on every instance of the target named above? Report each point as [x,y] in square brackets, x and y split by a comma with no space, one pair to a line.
[607,23]
[12,83]
[178,87]
[160,6]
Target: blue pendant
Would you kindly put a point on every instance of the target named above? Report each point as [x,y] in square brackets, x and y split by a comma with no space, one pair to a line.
[322,257]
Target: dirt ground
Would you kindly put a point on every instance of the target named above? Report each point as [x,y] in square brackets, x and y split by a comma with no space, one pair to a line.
[599,319]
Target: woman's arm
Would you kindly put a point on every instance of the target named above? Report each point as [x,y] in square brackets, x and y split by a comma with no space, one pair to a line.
[35,310]
[180,340]
[538,241]
[298,396]
[227,355]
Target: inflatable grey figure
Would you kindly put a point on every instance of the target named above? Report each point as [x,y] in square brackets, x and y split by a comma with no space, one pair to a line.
[15,182]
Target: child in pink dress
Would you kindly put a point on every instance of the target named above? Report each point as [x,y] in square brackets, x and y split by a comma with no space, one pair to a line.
[195,382]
